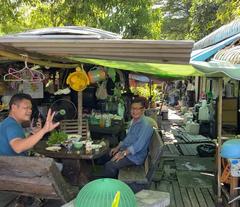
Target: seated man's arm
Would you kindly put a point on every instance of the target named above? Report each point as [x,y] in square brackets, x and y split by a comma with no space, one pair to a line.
[114,150]
[20,145]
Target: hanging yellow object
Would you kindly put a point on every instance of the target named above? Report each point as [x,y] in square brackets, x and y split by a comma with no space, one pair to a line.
[78,80]
[116,199]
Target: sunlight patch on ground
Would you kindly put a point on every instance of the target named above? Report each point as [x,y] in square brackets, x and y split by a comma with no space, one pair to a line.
[173,116]
[169,138]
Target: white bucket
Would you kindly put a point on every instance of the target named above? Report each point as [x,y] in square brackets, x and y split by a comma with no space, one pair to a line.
[192,128]
[203,113]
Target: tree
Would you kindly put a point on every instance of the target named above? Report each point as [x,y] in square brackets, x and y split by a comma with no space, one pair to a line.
[132,19]
[176,18]
[194,19]
[228,11]
[182,19]
[9,15]
[203,18]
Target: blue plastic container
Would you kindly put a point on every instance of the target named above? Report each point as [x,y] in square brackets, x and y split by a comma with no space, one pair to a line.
[231,149]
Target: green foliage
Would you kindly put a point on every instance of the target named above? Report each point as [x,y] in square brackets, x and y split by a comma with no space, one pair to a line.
[228,11]
[194,19]
[9,15]
[56,137]
[203,18]
[132,19]
[182,19]
[147,92]
[176,18]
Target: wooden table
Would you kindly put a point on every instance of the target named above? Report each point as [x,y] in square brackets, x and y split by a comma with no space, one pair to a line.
[75,166]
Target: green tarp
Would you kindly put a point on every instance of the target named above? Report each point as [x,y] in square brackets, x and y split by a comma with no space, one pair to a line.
[155,69]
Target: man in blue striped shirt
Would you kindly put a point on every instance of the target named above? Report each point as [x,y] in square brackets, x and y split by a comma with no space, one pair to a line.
[134,148]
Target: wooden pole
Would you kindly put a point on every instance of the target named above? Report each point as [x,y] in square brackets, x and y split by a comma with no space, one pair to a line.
[219,140]
[80,112]
[150,92]
[233,191]
[238,108]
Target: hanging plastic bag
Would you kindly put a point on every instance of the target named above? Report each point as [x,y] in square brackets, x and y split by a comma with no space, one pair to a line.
[101,92]
[96,74]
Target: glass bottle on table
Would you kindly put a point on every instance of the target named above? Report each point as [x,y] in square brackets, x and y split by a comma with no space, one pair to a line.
[88,145]
[102,122]
[108,121]
[89,136]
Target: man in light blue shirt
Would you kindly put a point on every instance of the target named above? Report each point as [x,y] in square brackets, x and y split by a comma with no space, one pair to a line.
[134,148]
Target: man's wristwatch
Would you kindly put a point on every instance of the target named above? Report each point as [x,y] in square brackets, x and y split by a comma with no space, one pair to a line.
[124,153]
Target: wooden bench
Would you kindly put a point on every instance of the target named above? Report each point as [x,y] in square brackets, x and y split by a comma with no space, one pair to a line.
[152,122]
[34,176]
[153,113]
[140,177]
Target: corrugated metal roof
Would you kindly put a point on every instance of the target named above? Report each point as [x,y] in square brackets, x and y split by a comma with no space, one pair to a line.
[131,50]
[207,53]
[219,35]
[229,54]
[65,42]
[222,56]
[69,32]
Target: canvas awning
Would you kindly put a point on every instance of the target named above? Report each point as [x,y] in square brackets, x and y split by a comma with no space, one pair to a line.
[218,69]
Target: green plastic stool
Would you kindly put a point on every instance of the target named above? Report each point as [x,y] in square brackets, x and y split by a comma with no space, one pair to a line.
[101,193]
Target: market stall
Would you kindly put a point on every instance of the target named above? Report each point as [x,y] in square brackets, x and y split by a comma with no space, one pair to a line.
[115,58]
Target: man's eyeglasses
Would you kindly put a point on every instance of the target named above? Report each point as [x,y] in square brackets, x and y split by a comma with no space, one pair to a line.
[136,109]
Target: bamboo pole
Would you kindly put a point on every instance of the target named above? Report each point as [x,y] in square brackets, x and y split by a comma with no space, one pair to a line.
[80,112]
[219,140]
